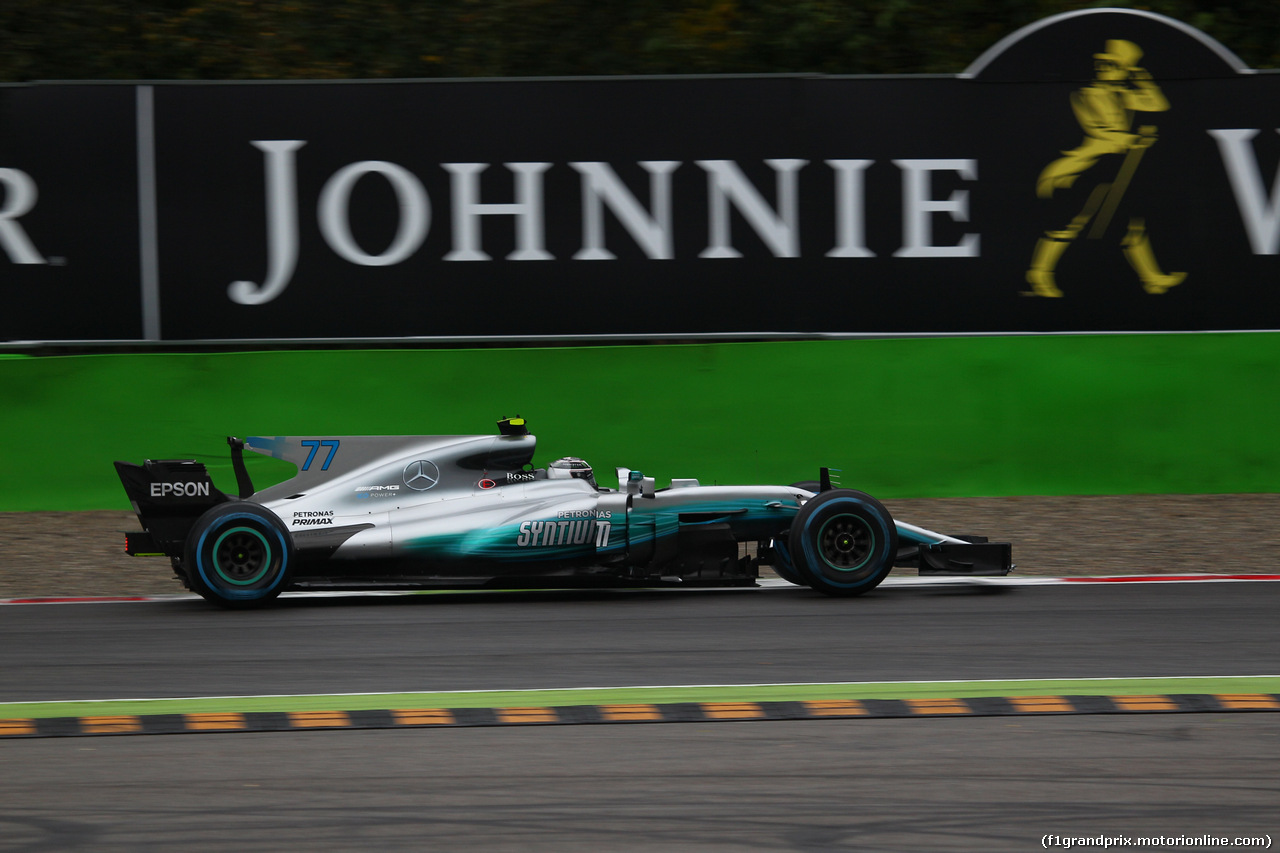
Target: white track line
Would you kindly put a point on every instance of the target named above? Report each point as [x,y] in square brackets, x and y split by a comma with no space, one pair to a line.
[764,583]
[1083,680]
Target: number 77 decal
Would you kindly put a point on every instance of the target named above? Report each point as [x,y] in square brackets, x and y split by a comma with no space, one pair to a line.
[315,444]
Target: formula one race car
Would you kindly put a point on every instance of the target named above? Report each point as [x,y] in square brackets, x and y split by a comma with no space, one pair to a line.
[459,512]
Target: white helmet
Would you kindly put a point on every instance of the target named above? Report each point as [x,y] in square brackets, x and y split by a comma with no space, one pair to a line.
[571,466]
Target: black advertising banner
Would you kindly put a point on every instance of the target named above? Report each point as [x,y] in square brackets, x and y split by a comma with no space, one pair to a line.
[470,208]
[69,251]
[1105,170]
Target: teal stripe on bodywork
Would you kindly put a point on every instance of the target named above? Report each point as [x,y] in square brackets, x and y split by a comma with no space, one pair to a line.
[501,543]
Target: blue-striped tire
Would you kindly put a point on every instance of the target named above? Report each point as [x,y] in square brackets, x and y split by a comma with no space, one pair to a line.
[843,542]
[239,554]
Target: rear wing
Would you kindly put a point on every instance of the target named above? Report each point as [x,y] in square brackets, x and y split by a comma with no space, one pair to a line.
[167,495]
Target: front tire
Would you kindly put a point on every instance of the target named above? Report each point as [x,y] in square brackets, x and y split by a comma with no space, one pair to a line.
[783,565]
[239,554]
[843,542]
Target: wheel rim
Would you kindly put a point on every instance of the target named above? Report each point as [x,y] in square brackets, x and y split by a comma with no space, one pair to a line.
[242,556]
[846,542]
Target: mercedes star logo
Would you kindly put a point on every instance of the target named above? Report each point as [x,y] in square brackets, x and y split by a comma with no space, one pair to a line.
[421,475]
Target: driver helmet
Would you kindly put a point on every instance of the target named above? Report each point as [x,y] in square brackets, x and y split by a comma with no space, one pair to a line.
[571,466]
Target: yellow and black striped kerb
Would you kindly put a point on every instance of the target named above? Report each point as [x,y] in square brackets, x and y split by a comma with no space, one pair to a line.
[676,712]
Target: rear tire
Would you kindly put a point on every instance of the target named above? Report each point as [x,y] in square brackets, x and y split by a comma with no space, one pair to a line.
[843,542]
[238,554]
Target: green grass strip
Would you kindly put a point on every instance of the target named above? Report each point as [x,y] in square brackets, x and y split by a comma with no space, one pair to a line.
[923,417]
[648,695]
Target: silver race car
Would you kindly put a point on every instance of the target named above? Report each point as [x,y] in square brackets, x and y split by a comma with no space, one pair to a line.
[459,512]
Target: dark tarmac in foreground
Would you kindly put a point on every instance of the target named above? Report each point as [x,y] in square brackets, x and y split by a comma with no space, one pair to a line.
[971,783]
[930,784]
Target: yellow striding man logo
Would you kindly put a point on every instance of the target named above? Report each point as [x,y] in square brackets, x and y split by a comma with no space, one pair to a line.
[1105,109]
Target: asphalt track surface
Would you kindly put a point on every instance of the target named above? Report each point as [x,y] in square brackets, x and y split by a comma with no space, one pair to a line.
[969,783]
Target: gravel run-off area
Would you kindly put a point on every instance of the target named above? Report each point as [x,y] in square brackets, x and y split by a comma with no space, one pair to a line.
[82,553]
